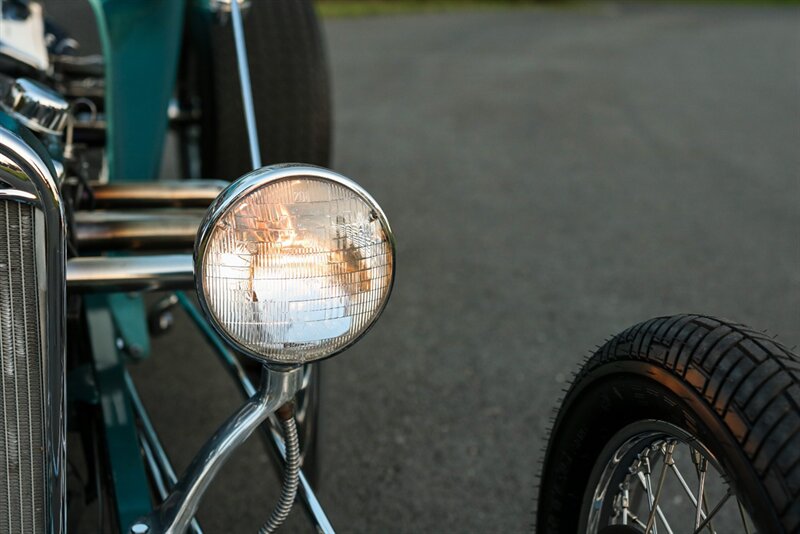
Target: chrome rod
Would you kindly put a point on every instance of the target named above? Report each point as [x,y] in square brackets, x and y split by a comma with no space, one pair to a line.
[150,432]
[162,229]
[244,81]
[176,194]
[175,513]
[273,437]
[157,459]
[130,273]
[155,469]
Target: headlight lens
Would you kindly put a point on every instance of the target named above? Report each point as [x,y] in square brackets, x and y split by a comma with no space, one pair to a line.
[294,263]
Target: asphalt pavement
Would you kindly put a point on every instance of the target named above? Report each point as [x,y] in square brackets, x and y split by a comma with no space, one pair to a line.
[552,176]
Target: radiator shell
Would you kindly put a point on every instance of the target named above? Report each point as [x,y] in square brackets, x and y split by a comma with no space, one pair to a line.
[32,344]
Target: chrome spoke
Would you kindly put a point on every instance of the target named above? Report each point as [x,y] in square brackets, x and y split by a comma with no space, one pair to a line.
[698,459]
[649,488]
[744,517]
[710,525]
[658,508]
[686,488]
[670,447]
[700,492]
[636,520]
[713,512]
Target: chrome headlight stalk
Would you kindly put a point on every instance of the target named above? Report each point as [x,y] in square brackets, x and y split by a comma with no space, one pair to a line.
[176,512]
[293,264]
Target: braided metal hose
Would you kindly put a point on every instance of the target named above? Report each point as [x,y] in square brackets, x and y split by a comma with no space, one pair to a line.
[291,474]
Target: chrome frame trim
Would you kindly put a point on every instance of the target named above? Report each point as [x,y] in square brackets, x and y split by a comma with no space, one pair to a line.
[173,516]
[228,198]
[28,179]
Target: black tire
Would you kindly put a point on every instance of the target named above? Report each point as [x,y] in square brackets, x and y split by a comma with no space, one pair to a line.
[291,91]
[736,390]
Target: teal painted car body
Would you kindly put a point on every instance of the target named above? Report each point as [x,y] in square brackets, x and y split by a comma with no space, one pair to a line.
[141,42]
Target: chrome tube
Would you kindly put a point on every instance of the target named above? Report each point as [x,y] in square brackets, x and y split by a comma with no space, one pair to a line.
[175,194]
[244,81]
[130,273]
[33,336]
[165,229]
[174,514]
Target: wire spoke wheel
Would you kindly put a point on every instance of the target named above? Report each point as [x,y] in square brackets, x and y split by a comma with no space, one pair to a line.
[658,478]
[680,424]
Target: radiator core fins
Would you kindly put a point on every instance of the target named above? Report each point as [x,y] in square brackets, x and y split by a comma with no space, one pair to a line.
[22,486]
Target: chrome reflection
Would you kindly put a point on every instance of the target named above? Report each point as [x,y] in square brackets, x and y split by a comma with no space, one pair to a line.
[174,515]
[35,105]
[130,273]
[165,229]
[175,194]
[25,178]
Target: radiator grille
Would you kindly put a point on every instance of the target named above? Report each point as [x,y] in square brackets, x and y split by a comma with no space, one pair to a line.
[21,388]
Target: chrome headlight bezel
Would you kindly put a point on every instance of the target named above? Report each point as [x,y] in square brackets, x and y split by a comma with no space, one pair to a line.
[229,198]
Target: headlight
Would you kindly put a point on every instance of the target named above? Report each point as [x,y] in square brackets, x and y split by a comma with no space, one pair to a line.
[293,263]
